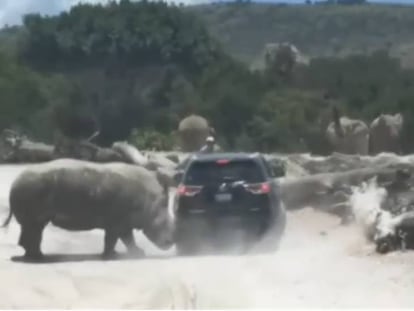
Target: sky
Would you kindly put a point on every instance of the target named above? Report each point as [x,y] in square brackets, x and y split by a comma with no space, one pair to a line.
[11,11]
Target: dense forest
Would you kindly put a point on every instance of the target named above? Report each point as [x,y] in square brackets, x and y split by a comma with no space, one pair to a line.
[135,69]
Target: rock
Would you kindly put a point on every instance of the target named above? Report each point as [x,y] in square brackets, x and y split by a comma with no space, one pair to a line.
[193,131]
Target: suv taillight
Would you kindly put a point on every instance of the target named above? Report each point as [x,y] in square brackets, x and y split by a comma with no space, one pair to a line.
[260,188]
[188,191]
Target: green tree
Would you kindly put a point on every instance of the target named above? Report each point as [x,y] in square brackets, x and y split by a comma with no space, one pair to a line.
[21,94]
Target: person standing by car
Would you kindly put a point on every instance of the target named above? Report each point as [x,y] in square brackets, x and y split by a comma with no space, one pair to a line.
[209,146]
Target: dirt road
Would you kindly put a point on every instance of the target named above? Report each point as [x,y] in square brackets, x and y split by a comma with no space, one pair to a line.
[320,264]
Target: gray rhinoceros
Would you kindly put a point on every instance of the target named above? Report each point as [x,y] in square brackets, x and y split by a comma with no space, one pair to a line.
[348,136]
[385,134]
[78,195]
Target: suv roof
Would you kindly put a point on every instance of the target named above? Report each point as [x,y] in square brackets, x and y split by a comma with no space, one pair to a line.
[207,157]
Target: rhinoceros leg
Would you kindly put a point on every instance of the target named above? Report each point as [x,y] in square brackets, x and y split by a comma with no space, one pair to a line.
[111,237]
[30,239]
[128,239]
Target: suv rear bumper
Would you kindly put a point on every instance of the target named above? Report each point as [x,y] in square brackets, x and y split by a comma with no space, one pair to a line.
[215,226]
[211,232]
[235,233]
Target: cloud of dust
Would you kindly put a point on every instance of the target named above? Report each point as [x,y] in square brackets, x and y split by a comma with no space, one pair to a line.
[313,244]
[366,202]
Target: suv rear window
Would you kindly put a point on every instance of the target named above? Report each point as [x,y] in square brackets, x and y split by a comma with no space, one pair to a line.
[200,173]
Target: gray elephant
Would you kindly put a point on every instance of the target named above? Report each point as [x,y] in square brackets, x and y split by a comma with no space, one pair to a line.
[385,134]
[193,131]
[78,195]
[348,136]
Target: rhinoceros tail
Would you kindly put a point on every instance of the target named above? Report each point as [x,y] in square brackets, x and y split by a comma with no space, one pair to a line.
[8,219]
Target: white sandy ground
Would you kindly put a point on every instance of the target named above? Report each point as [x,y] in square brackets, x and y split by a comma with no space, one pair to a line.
[320,264]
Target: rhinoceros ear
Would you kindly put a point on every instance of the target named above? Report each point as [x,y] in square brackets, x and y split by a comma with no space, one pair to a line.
[165,177]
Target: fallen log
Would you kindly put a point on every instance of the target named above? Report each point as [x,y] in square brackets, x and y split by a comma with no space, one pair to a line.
[156,160]
[329,192]
[130,153]
[16,148]
[337,162]
[32,152]
[106,155]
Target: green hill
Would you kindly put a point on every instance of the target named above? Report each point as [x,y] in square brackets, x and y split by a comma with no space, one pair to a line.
[317,30]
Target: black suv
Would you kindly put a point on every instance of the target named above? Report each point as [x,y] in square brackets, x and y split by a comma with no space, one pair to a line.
[220,193]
